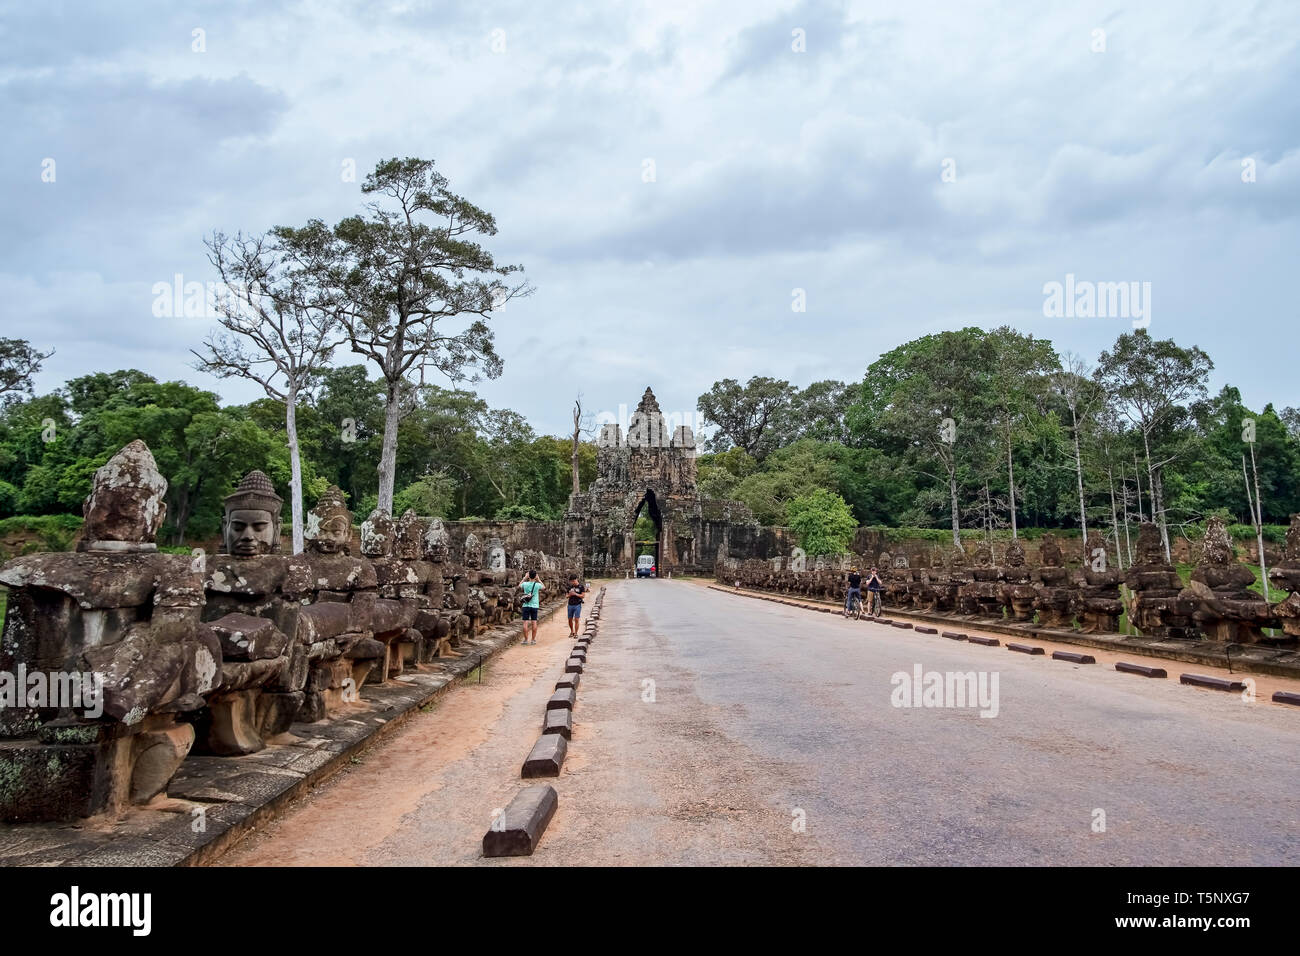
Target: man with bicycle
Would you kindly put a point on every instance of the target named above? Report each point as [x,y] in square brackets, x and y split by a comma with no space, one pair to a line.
[874,587]
[855,591]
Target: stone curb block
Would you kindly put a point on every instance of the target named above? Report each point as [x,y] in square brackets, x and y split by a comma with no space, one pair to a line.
[1213,683]
[902,625]
[925,630]
[954,635]
[558,722]
[546,758]
[573,666]
[563,699]
[568,680]
[1286,697]
[1073,658]
[1024,649]
[985,641]
[1141,669]
[521,825]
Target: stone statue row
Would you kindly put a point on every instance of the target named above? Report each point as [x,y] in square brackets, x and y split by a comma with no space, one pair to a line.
[217,653]
[1216,603]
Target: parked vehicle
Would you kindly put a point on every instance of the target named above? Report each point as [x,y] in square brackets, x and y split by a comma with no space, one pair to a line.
[645,566]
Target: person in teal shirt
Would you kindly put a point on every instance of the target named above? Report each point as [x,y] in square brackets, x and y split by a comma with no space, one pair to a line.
[532,589]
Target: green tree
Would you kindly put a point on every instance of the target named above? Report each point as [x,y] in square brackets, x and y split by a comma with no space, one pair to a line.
[747,416]
[1152,384]
[397,285]
[931,399]
[429,496]
[823,522]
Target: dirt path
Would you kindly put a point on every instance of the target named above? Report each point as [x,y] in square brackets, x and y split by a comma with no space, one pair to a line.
[340,823]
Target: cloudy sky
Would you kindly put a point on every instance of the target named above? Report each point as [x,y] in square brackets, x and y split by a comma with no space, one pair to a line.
[1105,140]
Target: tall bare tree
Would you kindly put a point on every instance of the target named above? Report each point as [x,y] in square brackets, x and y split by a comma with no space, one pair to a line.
[1074,384]
[398,284]
[577,439]
[269,335]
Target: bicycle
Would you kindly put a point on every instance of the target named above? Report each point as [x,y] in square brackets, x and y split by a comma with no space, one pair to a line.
[874,607]
[854,607]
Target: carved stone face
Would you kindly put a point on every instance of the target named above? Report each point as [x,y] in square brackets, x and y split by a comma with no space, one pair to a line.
[377,534]
[332,535]
[473,556]
[1015,555]
[409,543]
[435,542]
[125,505]
[1149,545]
[250,532]
[1217,547]
[1050,552]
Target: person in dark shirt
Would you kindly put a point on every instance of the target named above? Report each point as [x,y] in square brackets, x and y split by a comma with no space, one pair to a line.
[575,604]
[855,589]
[874,587]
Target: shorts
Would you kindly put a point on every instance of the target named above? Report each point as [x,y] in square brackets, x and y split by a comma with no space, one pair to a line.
[575,610]
[530,613]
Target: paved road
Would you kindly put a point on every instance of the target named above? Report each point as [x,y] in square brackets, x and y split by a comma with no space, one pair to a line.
[764,716]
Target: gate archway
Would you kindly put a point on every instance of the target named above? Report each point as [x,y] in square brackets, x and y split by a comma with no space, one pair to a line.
[647,542]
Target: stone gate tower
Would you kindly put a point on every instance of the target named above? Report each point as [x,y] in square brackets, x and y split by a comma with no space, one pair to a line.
[653,471]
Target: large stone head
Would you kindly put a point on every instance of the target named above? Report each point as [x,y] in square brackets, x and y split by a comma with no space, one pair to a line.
[329,524]
[1217,547]
[983,556]
[377,533]
[125,507]
[251,523]
[1015,555]
[957,558]
[435,542]
[1150,548]
[1049,552]
[1293,540]
[409,542]
[473,556]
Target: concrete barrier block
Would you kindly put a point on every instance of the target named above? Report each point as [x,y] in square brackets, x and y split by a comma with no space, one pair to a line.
[519,828]
[558,722]
[954,635]
[1073,658]
[1286,697]
[563,699]
[546,758]
[568,680]
[1213,683]
[986,641]
[1126,668]
[926,630]
[573,666]
[1024,648]
[904,625]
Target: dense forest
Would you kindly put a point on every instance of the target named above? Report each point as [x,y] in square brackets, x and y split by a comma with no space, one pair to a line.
[991,430]
[456,456]
[949,429]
